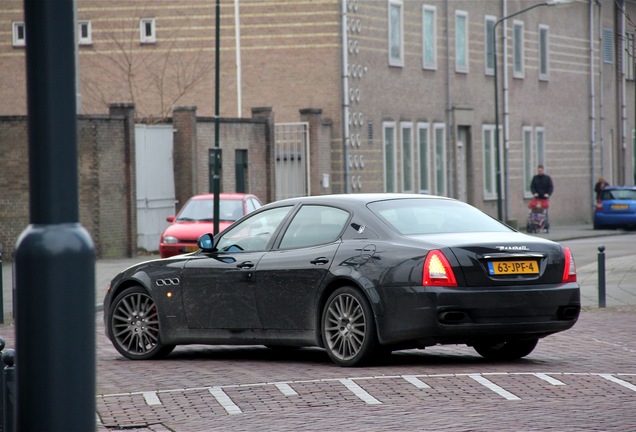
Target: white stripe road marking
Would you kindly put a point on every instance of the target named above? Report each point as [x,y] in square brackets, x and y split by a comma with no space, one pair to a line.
[151,398]
[359,391]
[416,382]
[494,387]
[286,389]
[224,400]
[619,381]
[549,379]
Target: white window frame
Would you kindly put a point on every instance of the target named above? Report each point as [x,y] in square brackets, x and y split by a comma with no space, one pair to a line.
[544,52]
[144,36]
[408,165]
[385,127]
[84,40]
[529,159]
[440,187]
[19,41]
[393,60]
[424,158]
[432,32]
[461,44]
[518,49]
[489,156]
[489,45]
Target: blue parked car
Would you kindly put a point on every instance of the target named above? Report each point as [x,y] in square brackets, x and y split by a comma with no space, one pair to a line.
[616,208]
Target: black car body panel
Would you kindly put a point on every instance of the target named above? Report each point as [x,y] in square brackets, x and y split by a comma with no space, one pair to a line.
[277,295]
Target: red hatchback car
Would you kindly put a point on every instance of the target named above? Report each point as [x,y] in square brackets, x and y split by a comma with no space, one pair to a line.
[197,218]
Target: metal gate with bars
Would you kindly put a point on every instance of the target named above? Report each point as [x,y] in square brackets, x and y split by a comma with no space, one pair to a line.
[292,160]
[155,182]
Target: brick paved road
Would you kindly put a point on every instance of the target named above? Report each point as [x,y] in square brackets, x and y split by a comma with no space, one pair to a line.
[580,380]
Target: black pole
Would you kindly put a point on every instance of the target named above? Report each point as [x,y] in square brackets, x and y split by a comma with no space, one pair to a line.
[497,144]
[601,276]
[217,74]
[54,256]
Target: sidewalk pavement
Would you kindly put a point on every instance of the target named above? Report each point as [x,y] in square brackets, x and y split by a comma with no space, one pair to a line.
[620,272]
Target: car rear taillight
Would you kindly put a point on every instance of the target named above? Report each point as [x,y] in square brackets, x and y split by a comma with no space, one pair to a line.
[599,205]
[437,270]
[569,272]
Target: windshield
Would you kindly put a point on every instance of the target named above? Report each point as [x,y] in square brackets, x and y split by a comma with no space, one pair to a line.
[203,210]
[433,216]
[619,194]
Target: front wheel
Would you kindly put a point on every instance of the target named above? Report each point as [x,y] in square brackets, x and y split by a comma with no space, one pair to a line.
[348,327]
[509,350]
[134,326]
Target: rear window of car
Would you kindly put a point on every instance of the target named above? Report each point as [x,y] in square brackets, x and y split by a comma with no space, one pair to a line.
[434,216]
[619,194]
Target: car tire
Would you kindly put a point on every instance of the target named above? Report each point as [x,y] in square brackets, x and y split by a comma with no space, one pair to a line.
[508,350]
[348,327]
[134,326]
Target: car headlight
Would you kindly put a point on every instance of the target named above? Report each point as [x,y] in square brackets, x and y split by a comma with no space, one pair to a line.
[170,240]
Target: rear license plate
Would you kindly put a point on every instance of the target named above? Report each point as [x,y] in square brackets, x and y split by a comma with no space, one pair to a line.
[620,206]
[191,248]
[513,267]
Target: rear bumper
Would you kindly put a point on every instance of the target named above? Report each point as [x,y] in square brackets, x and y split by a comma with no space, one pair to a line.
[616,219]
[463,315]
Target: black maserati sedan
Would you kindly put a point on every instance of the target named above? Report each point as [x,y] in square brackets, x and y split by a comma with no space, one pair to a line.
[358,274]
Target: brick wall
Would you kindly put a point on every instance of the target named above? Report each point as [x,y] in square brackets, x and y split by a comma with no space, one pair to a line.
[104,194]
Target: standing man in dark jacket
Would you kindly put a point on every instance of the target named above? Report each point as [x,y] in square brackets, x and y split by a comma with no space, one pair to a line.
[541,185]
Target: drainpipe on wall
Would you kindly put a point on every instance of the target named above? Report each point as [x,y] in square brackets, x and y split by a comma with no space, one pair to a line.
[600,91]
[449,122]
[506,113]
[592,105]
[623,143]
[345,95]
[237,32]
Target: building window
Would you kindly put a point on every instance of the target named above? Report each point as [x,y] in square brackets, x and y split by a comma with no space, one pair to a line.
[439,135]
[533,155]
[147,30]
[407,156]
[490,158]
[540,145]
[517,49]
[19,34]
[608,45]
[461,41]
[424,159]
[530,160]
[84,33]
[396,33]
[429,37]
[390,160]
[544,52]
[489,41]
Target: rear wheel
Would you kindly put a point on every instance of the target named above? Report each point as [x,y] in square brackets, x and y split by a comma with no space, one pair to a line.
[508,350]
[134,326]
[348,327]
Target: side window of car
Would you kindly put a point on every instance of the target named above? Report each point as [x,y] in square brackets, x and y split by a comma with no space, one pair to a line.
[253,233]
[314,225]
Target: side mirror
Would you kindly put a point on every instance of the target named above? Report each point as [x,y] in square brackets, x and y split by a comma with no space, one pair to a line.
[170,218]
[206,242]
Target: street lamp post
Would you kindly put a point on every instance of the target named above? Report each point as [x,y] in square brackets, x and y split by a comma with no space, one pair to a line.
[494,53]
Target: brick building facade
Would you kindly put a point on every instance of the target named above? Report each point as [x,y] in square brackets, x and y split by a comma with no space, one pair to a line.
[406,86]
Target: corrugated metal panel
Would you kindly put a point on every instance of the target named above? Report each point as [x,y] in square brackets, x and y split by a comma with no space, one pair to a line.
[292,160]
[155,183]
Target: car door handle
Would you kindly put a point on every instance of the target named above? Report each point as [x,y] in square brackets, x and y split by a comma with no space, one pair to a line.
[245,265]
[319,261]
